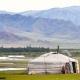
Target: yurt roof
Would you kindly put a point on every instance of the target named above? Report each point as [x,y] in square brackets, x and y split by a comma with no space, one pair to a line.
[53,57]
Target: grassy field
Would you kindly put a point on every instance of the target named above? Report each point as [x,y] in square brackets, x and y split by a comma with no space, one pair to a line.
[22,74]
[13,63]
[18,76]
[20,63]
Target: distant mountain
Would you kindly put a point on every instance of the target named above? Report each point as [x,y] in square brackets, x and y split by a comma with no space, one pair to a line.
[47,27]
[10,37]
[67,13]
[5,12]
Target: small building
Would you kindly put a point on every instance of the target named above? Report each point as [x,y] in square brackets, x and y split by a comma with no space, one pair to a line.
[51,63]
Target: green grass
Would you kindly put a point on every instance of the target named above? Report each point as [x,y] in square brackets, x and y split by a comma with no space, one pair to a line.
[22,74]
[16,63]
[41,77]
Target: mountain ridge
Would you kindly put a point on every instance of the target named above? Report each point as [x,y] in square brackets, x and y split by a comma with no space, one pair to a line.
[45,26]
[41,28]
[67,13]
[11,37]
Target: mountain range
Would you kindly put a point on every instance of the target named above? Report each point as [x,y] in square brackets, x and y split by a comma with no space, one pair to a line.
[44,26]
[8,36]
[67,13]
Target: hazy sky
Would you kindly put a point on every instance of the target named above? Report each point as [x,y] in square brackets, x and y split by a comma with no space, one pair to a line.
[24,5]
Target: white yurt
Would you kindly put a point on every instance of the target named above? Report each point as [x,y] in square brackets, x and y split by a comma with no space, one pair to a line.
[52,62]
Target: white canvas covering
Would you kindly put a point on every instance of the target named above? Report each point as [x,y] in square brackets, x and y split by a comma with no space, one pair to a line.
[50,63]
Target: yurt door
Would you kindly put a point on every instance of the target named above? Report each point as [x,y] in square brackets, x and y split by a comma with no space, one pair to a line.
[74,67]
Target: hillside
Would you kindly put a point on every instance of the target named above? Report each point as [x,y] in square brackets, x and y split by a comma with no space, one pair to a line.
[67,13]
[44,26]
[10,37]
[38,31]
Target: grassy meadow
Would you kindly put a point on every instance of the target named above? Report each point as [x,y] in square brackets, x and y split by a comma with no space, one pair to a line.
[14,63]
[17,76]
[22,74]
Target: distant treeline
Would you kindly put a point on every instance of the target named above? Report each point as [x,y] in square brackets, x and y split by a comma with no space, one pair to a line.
[25,49]
[34,51]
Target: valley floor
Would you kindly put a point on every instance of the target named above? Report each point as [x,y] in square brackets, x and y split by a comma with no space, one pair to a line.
[40,77]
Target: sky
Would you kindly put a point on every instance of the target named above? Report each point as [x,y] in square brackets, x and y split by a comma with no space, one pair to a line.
[25,5]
